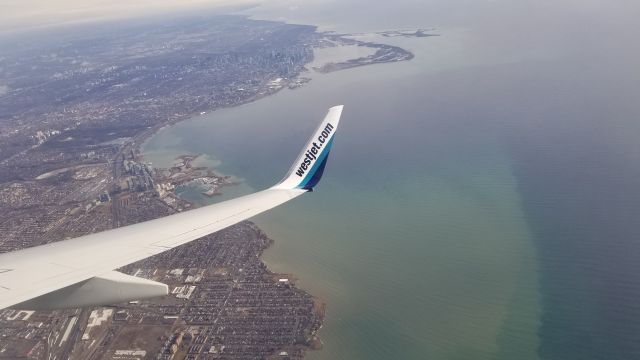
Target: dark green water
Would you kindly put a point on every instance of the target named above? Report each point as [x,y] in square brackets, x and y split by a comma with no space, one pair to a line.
[481,201]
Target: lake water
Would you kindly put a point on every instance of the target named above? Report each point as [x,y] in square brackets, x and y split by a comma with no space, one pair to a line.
[480,201]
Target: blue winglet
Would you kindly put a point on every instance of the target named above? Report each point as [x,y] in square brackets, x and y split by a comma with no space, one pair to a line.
[308,168]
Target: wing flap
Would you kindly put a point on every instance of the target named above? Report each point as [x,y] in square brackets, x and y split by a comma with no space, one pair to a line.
[110,288]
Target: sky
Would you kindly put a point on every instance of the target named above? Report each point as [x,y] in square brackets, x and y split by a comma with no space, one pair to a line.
[19,15]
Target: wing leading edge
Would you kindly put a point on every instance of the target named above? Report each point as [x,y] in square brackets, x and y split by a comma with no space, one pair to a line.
[68,268]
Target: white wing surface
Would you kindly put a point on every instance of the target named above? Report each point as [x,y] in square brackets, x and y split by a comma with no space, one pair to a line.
[79,272]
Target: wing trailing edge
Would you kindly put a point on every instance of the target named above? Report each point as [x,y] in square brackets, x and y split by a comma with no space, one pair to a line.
[111,288]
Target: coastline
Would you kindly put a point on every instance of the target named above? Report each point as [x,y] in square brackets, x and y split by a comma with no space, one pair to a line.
[179,203]
[461,203]
[297,81]
[137,144]
[314,342]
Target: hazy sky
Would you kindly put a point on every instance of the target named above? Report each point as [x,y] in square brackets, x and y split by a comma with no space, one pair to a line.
[16,15]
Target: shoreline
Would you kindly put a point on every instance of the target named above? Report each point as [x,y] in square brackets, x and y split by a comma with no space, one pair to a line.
[138,143]
[298,81]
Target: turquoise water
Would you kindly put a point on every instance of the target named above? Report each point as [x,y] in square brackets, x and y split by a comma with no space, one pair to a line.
[416,240]
[480,202]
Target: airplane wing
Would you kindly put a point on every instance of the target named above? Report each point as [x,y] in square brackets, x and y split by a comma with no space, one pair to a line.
[80,272]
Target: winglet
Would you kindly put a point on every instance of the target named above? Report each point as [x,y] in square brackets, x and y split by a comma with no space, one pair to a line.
[306,171]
